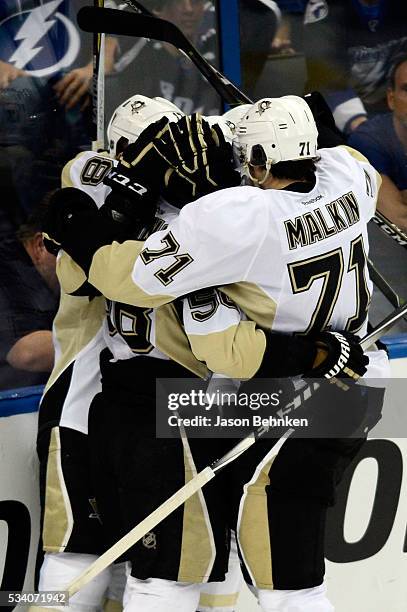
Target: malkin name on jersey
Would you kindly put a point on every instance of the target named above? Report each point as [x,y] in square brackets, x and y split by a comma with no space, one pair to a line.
[318,224]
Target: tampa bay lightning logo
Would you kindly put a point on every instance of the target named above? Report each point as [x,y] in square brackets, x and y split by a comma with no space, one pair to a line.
[41,41]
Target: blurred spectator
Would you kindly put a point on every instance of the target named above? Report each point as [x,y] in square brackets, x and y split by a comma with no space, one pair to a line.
[28,303]
[383,139]
[158,69]
[259,20]
[45,72]
[350,48]
[288,38]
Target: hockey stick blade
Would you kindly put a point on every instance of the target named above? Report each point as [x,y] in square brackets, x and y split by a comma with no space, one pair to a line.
[123,23]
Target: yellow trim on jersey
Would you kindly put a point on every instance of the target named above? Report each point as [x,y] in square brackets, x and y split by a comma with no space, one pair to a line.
[76,323]
[196,533]
[112,605]
[71,276]
[355,153]
[58,519]
[170,339]
[120,286]
[254,302]
[360,157]
[218,601]
[236,352]
[254,520]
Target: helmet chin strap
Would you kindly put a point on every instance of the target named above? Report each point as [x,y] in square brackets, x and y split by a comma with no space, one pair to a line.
[255,180]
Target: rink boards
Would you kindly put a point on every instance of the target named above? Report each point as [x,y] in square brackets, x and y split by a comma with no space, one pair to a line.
[366,533]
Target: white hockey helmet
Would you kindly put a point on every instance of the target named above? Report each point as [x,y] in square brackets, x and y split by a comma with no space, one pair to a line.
[227,129]
[135,114]
[234,115]
[275,130]
[229,121]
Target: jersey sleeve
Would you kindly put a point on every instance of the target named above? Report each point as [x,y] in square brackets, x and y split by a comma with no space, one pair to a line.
[219,335]
[86,172]
[370,180]
[213,241]
[71,277]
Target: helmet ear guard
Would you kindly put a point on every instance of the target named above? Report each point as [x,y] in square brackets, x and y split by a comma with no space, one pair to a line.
[275,130]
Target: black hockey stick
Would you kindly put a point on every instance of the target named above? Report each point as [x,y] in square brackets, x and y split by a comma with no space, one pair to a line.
[122,23]
[391,229]
[145,25]
[138,7]
[203,477]
[384,287]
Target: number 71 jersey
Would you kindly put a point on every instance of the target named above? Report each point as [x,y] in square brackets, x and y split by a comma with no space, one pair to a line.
[293,261]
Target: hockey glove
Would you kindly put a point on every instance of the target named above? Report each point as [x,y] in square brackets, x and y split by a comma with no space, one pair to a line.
[137,181]
[201,159]
[329,354]
[141,168]
[74,223]
[63,207]
[328,134]
[341,356]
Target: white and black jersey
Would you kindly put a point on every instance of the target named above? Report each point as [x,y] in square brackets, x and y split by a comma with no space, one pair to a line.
[292,261]
[221,337]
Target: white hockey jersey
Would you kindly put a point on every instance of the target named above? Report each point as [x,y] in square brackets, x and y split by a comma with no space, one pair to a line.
[211,323]
[293,262]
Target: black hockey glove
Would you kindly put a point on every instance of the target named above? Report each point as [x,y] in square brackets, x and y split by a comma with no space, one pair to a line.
[64,206]
[328,134]
[74,223]
[137,181]
[343,356]
[201,159]
[328,354]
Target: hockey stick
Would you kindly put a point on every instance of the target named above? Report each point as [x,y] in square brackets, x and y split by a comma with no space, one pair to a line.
[384,287]
[122,23]
[145,25]
[138,7]
[391,229]
[98,86]
[203,477]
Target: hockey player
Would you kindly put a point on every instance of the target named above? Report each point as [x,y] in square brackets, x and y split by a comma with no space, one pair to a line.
[306,212]
[71,530]
[133,332]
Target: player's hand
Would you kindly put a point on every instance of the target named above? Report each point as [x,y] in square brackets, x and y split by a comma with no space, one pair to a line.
[328,134]
[339,355]
[74,223]
[141,167]
[64,208]
[200,158]
[137,181]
